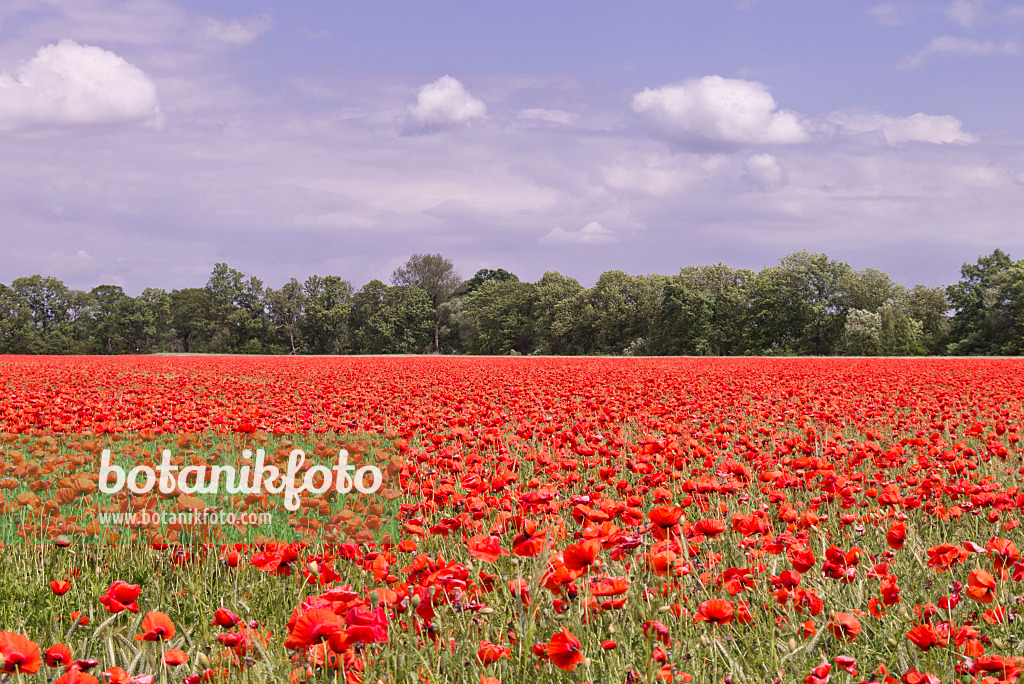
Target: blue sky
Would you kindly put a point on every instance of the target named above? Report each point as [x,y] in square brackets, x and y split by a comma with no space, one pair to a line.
[144,141]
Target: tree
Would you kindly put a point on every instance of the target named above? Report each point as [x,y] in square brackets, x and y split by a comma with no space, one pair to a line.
[685,319]
[238,316]
[869,289]
[286,310]
[725,292]
[366,303]
[798,306]
[624,309]
[390,320]
[986,304]
[47,299]
[862,333]
[930,306]
[328,303]
[436,276]
[552,290]
[15,322]
[484,275]
[500,317]
[105,332]
[190,316]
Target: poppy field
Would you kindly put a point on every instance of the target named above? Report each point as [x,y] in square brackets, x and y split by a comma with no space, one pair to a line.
[622,520]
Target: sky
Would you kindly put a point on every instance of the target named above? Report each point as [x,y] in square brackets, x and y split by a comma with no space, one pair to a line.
[142,142]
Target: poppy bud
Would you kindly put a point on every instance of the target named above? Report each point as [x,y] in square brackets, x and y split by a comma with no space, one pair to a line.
[374,600]
[416,601]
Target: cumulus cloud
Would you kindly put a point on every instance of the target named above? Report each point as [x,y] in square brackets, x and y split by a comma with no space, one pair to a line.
[964,12]
[557,116]
[764,172]
[952,45]
[591,234]
[446,102]
[67,85]
[914,128]
[718,110]
[890,13]
[238,31]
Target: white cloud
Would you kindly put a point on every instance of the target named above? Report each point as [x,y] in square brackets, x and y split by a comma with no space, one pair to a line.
[67,84]
[890,13]
[238,31]
[953,45]
[964,12]
[445,102]
[764,172]
[557,116]
[591,234]
[718,110]
[914,128]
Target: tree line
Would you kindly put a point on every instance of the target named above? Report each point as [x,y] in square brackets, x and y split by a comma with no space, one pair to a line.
[807,304]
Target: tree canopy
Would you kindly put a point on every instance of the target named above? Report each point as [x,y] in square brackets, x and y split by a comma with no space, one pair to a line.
[806,304]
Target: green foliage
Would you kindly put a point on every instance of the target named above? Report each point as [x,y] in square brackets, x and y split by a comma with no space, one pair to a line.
[436,276]
[391,320]
[324,319]
[806,304]
[989,306]
[501,315]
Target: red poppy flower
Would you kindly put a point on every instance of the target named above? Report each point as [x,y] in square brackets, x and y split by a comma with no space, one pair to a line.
[57,655]
[801,557]
[121,596]
[819,675]
[564,650]
[923,636]
[485,548]
[313,626]
[580,556]
[896,536]
[369,627]
[715,611]
[156,626]
[19,653]
[844,626]
[912,676]
[223,617]
[60,587]
[656,629]
[79,677]
[665,521]
[116,675]
[944,556]
[981,586]
[520,588]
[530,542]
[489,653]
[175,657]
